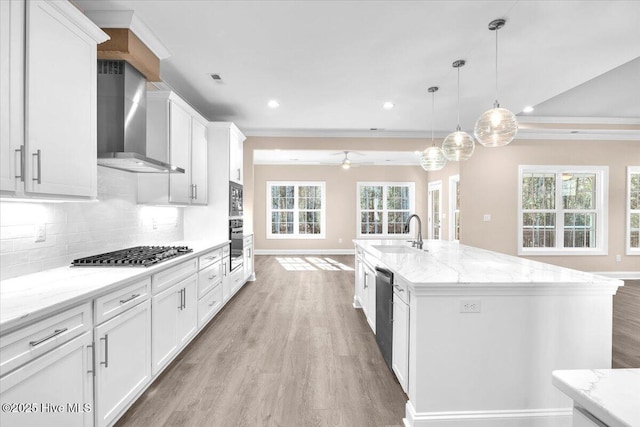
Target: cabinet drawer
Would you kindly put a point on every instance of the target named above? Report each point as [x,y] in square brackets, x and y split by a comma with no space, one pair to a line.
[248,240]
[165,279]
[209,305]
[401,289]
[27,343]
[209,258]
[209,277]
[226,250]
[116,302]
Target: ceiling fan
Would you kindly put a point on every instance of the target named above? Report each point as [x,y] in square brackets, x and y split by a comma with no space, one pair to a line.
[346,162]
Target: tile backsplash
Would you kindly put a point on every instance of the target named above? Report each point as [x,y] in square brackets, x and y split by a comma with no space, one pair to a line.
[74,230]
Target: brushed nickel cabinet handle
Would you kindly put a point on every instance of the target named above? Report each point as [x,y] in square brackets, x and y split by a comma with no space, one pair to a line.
[195,191]
[21,163]
[48,337]
[211,305]
[398,288]
[92,346]
[38,155]
[134,296]
[106,350]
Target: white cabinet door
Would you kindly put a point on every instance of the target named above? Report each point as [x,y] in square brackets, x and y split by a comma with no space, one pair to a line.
[123,361]
[188,313]
[358,297]
[179,141]
[164,327]
[247,261]
[235,155]
[198,163]
[60,104]
[226,279]
[369,306]
[400,345]
[11,88]
[60,379]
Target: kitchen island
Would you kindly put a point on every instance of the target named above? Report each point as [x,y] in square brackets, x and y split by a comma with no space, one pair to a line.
[476,334]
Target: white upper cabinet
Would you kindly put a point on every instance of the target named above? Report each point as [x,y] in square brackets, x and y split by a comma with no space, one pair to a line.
[199,152]
[236,140]
[175,132]
[56,156]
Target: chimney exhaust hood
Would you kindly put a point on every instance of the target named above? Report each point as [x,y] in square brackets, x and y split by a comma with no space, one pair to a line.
[122,121]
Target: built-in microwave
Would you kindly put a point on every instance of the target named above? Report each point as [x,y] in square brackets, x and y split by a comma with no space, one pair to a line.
[235,200]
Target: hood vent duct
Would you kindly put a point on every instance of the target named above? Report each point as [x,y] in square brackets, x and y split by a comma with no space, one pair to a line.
[122,121]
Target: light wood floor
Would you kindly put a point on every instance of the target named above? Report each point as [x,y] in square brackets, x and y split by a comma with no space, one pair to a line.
[626,326]
[288,350]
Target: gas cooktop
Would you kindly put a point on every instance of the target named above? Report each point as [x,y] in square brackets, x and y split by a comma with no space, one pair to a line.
[139,256]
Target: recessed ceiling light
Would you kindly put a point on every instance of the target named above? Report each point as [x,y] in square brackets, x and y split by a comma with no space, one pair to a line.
[388,105]
[527,109]
[273,104]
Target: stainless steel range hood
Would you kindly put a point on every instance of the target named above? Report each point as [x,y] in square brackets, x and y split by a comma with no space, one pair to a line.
[122,121]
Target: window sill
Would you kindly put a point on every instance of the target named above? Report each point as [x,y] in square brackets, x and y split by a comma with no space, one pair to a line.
[562,252]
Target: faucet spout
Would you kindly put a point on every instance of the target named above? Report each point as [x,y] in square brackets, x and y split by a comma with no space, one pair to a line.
[418,242]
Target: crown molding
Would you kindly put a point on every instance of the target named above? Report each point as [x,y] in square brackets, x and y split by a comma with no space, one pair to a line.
[127,19]
[580,120]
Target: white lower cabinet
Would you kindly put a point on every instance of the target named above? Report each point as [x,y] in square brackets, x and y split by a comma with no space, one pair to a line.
[53,390]
[209,305]
[369,296]
[123,361]
[226,279]
[236,280]
[400,341]
[247,259]
[174,321]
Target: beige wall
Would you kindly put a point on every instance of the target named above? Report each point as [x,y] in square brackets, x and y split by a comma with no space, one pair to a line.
[341,200]
[489,185]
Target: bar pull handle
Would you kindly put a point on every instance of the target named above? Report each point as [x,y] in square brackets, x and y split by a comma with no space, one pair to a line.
[390,311]
[134,296]
[21,163]
[211,305]
[195,191]
[184,298]
[106,350]
[238,174]
[48,337]
[92,346]
[366,279]
[398,288]
[38,156]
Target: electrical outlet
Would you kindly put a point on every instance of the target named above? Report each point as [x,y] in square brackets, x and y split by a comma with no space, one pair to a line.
[40,232]
[154,223]
[486,217]
[618,258]
[470,306]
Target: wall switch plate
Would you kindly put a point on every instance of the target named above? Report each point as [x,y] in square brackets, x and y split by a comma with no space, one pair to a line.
[486,217]
[468,306]
[618,258]
[40,232]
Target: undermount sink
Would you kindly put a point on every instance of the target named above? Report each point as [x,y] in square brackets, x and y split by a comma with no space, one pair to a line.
[396,249]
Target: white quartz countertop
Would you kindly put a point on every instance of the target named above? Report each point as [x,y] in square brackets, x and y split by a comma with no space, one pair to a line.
[445,262]
[26,298]
[611,395]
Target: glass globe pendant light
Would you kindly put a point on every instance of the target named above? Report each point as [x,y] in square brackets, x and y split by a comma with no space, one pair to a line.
[498,126]
[433,158]
[458,145]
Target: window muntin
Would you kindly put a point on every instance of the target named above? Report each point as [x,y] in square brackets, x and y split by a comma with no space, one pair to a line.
[383,208]
[633,210]
[296,210]
[562,210]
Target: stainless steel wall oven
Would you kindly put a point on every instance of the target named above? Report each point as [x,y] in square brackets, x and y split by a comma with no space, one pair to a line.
[236,237]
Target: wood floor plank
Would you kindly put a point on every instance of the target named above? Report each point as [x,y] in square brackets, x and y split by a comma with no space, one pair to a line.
[626,326]
[288,350]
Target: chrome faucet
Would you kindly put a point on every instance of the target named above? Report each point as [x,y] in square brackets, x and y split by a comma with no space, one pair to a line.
[418,242]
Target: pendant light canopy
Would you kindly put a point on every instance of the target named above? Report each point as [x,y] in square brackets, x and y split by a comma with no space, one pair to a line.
[458,145]
[433,158]
[498,126]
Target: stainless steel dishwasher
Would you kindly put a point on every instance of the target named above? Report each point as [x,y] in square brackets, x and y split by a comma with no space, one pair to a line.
[384,313]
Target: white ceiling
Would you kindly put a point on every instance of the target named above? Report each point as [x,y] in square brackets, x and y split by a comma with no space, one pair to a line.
[331,64]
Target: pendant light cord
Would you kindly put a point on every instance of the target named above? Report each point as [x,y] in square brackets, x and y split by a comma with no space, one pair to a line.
[497,68]
[433,113]
[458,98]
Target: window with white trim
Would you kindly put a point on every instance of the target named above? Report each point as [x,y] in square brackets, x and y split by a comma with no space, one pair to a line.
[633,210]
[562,210]
[296,210]
[454,207]
[384,207]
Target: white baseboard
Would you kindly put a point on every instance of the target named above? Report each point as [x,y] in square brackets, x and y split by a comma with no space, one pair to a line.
[546,417]
[622,275]
[304,252]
